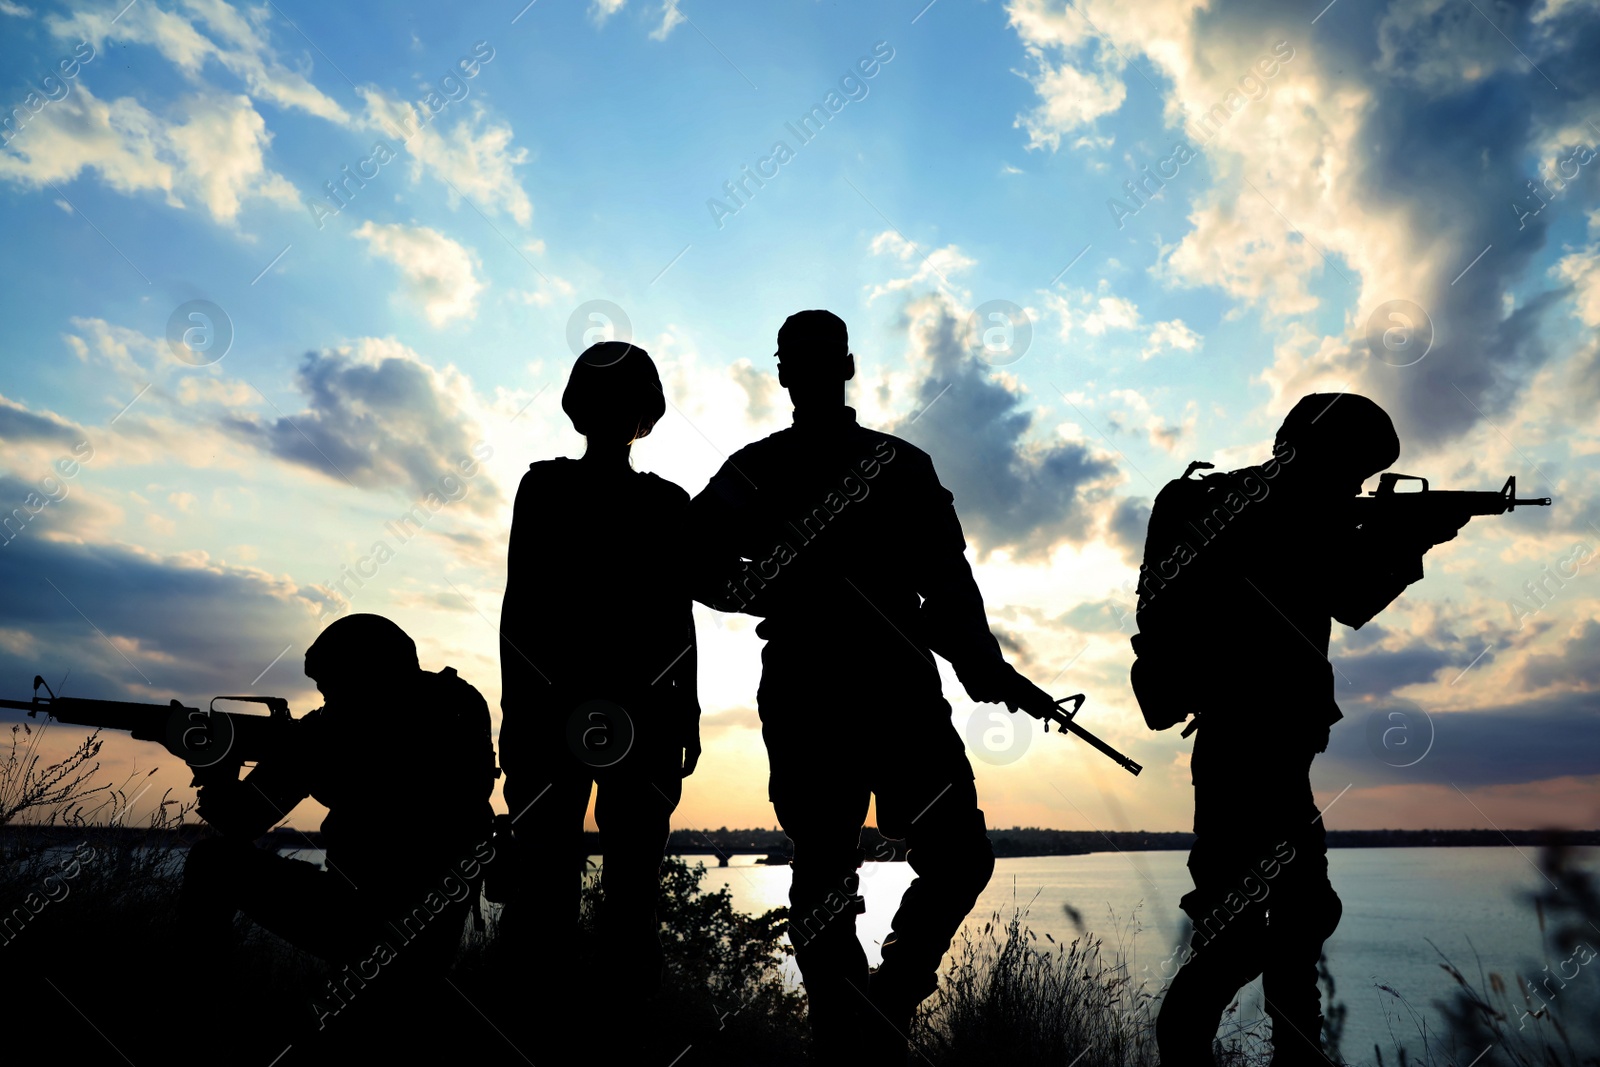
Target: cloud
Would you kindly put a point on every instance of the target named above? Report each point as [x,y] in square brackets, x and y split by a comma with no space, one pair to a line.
[1577,665]
[1100,616]
[670,17]
[474,157]
[1133,409]
[45,505]
[1581,271]
[221,148]
[547,290]
[1015,648]
[438,272]
[1061,307]
[1380,671]
[601,10]
[238,44]
[1529,741]
[1070,98]
[1014,490]
[1127,525]
[15,10]
[1171,336]
[938,264]
[1433,47]
[760,390]
[1360,186]
[18,424]
[1111,313]
[119,139]
[211,151]
[218,626]
[221,154]
[380,417]
[478,164]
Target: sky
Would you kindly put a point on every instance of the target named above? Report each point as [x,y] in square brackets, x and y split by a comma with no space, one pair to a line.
[276,276]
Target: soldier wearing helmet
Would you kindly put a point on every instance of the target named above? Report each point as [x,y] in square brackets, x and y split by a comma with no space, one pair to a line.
[402,867]
[1271,576]
[598,664]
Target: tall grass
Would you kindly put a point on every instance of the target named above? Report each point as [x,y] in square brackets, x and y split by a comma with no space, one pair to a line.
[1008,998]
[1544,1017]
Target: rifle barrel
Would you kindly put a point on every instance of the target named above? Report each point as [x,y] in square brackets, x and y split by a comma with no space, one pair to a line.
[1065,724]
[1123,761]
[146,722]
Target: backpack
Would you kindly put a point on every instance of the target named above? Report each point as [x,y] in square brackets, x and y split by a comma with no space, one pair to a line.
[1171,609]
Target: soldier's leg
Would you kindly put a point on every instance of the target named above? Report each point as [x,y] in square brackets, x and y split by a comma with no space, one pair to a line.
[1304,912]
[547,800]
[309,907]
[948,848]
[926,796]
[538,924]
[822,805]
[1226,951]
[209,901]
[1240,861]
[633,807]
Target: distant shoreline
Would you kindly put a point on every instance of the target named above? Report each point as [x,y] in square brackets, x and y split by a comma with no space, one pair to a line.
[1008,843]
[1016,843]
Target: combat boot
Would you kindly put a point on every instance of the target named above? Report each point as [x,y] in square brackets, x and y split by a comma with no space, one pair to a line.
[895,999]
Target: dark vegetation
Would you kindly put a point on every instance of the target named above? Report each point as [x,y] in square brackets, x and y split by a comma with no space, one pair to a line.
[87,938]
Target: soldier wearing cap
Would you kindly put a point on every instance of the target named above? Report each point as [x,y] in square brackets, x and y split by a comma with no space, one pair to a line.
[845,544]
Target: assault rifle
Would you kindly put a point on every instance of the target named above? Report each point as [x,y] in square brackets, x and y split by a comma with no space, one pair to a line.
[1385,507]
[215,744]
[1066,723]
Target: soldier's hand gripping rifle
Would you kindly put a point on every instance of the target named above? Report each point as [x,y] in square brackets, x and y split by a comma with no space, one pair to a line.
[1066,722]
[215,744]
[1425,509]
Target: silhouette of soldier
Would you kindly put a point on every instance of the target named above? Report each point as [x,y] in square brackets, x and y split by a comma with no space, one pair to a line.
[1269,572]
[598,664]
[401,864]
[844,540]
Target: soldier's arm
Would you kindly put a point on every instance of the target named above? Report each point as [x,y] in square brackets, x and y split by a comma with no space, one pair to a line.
[685,684]
[718,517]
[683,673]
[254,804]
[521,682]
[1379,565]
[953,619]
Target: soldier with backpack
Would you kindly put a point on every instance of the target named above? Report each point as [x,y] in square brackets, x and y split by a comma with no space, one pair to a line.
[1243,573]
[402,865]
